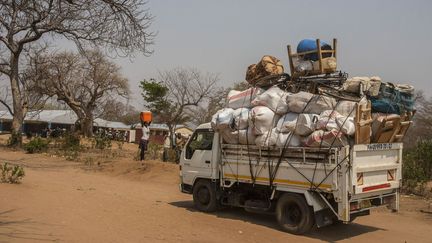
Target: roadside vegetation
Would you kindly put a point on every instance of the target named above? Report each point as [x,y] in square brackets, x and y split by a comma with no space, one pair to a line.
[11,173]
[417,168]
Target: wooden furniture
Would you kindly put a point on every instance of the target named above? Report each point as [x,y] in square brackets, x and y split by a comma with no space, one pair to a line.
[393,129]
[363,123]
[318,51]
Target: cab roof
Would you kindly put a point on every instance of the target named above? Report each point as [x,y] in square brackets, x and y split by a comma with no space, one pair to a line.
[204,126]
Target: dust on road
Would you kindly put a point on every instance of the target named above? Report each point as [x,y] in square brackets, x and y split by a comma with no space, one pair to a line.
[128,202]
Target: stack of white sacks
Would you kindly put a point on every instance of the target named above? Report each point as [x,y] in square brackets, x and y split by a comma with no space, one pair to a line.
[274,117]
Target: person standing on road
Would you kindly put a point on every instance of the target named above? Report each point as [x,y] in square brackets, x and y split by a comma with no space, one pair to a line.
[144,139]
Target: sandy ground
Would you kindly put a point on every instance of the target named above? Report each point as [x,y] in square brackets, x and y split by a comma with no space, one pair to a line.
[125,201]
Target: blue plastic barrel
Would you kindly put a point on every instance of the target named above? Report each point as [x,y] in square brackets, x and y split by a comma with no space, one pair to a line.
[310,45]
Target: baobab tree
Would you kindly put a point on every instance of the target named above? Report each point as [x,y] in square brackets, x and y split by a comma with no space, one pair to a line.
[84,83]
[120,26]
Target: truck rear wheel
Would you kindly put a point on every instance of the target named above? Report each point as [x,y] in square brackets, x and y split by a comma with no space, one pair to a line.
[204,196]
[294,214]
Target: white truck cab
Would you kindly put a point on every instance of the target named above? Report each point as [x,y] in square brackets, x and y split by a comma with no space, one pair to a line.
[303,186]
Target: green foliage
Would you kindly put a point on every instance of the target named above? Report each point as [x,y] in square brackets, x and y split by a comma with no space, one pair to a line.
[11,174]
[70,141]
[154,151]
[101,142]
[154,93]
[70,145]
[417,165]
[14,140]
[36,145]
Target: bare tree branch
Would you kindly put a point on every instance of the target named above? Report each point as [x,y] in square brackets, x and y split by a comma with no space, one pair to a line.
[82,83]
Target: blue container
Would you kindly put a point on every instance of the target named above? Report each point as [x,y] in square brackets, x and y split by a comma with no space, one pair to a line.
[310,45]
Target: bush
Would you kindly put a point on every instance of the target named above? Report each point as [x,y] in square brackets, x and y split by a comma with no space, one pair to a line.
[71,141]
[70,145]
[11,174]
[102,142]
[36,145]
[417,166]
[154,151]
[14,139]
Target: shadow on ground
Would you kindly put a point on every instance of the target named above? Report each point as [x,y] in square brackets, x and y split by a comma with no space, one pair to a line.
[23,229]
[329,234]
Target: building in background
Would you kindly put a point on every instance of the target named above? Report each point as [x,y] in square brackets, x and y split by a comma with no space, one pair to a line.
[37,121]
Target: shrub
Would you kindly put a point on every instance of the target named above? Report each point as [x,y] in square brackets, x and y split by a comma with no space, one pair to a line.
[102,142]
[417,166]
[154,151]
[70,141]
[36,145]
[11,174]
[14,139]
[70,145]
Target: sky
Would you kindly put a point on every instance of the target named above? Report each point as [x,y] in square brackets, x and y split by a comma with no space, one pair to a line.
[390,39]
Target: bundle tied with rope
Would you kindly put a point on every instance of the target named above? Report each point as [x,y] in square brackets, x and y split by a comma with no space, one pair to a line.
[274,117]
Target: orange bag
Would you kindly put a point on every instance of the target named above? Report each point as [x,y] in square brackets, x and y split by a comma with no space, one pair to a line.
[146,116]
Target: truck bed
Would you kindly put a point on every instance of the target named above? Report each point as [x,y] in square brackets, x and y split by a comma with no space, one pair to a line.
[359,177]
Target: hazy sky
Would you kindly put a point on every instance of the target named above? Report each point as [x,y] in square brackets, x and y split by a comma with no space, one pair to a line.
[391,39]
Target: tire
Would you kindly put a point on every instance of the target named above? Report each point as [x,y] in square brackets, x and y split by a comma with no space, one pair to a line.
[294,214]
[204,196]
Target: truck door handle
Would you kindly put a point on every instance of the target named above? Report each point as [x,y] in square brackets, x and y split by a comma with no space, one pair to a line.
[207,161]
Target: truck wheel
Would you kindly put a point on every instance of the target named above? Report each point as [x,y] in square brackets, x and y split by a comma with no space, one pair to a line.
[294,214]
[204,196]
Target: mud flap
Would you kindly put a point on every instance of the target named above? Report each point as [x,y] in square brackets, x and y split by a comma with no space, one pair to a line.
[324,217]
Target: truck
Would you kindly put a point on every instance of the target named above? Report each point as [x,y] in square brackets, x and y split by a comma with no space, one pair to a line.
[301,186]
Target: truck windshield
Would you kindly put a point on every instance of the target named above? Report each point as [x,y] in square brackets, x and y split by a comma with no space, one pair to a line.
[201,140]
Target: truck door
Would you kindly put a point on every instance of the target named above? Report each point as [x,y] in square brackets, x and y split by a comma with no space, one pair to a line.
[197,156]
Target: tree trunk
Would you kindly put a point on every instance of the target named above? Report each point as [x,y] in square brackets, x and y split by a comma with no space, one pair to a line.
[85,119]
[19,107]
[87,126]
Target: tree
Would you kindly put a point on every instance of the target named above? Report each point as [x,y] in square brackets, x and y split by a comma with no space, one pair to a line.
[176,91]
[421,129]
[84,83]
[114,110]
[216,100]
[117,25]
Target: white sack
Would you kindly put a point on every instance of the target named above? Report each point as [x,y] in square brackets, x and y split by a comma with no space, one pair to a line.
[238,99]
[332,120]
[223,119]
[241,118]
[346,125]
[274,98]
[293,140]
[287,122]
[306,124]
[262,119]
[246,136]
[326,139]
[267,139]
[299,103]
[348,108]
[229,136]
[363,85]
[300,124]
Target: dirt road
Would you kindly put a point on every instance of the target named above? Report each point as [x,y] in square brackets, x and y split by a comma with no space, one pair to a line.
[61,201]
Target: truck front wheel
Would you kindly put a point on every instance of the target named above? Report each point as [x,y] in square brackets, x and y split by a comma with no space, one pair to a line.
[294,214]
[204,196]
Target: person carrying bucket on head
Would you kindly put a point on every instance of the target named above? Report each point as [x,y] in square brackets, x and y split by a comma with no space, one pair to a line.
[146,118]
